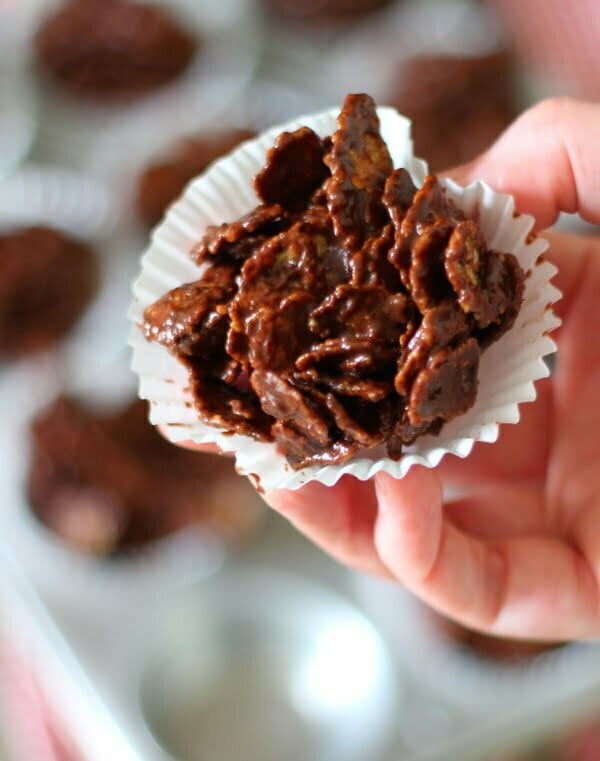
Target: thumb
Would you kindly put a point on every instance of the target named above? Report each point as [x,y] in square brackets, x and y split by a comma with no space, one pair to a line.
[549,159]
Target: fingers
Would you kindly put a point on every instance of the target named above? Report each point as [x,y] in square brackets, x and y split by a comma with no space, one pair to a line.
[538,586]
[521,452]
[549,159]
[488,512]
[452,572]
[340,519]
[573,255]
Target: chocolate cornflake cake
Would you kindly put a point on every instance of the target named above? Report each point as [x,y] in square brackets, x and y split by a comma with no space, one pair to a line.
[107,483]
[347,311]
[112,49]
[46,281]
[458,105]
[163,182]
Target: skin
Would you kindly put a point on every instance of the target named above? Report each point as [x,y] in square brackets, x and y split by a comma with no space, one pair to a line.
[514,548]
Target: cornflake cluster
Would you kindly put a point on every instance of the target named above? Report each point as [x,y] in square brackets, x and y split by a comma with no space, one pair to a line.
[347,311]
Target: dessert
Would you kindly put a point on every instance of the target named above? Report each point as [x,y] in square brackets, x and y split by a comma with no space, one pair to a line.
[458,106]
[347,311]
[163,182]
[112,49]
[106,483]
[324,10]
[46,281]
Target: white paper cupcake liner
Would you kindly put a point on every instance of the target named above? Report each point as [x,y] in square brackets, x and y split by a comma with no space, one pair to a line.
[227,57]
[465,680]
[59,198]
[507,371]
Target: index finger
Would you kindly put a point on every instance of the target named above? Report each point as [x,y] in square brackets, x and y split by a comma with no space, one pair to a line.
[549,159]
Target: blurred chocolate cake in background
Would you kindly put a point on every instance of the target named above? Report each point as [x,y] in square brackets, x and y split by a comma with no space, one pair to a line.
[501,649]
[326,11]
[458,105]
[112,49]
[46,280]
[108,483]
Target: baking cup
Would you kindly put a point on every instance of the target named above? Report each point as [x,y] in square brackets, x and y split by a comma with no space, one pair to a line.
[507,371]
[73,127]
[125,152]
[463,679]
[58,198]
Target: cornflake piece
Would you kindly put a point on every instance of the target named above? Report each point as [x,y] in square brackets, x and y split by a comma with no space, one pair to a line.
[360,163]
[481,278]
[187,320]
[428,207]
[302,451]
[282,401]
[370,265]
[294,169]
[334,351]
[368,312]
[441,326]
[357,424]
[283,266]
[346,385]
[447,386]
[277,336]
[398,195]
[224,406]
[428,283]
[504,272]
[236,241]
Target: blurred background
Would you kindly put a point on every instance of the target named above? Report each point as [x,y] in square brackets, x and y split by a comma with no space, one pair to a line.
[150,608]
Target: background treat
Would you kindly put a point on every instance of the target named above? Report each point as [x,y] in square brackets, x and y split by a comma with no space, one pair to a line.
[163,182]
[109,482]
[112,49]
[324,10]
[46,281]
[458,106]
[348,311]
[494,648]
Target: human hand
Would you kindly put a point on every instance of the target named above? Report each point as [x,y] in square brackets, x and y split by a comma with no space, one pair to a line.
[514,549]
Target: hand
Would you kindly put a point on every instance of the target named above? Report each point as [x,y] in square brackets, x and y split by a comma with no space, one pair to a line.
[515,550]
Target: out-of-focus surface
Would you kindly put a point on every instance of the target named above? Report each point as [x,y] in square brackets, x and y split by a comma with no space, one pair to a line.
[193,645]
